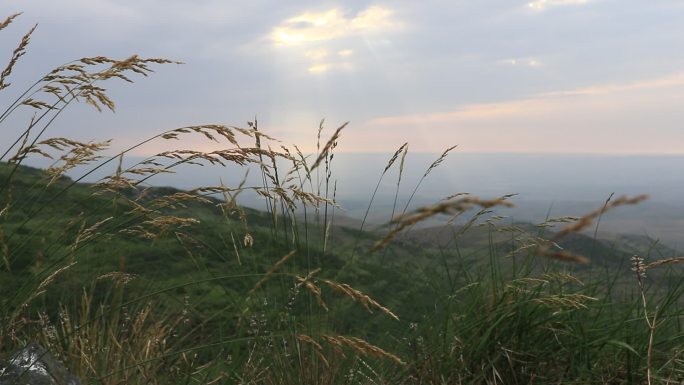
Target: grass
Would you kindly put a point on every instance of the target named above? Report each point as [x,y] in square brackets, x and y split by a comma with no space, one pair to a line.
[129,283]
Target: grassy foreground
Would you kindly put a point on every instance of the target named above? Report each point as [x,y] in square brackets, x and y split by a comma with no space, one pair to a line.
[132,284]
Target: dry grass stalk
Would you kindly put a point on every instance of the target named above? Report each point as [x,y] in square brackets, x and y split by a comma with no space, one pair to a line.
[574,301]
[172,201]
[492,221]
[47,281]
[312,288]
[133,63]
[155,164]
[59,144]
[401,164]
[309,198]
[453,207]
[210,131]
[509,229]
[292,174]
[332,142]
[8,20]
[529,281]
[75,153]
[434,164]
[119,277]
[156,228]
[76,80]
[37,104]
[639,268]
[317,347]
[662,262]
[241,156]
[579,225]
[272,270]
[361,346]
[562,277]
[360,297]
[146,171]
[452,196]
[80,154]
[115,182]
[439,160]
[41,288]
[302,161]
[586,220]
[18,53]
[309,340]
[394,157]
[85,234]
[564,256]
[5,251]
[229,207]
[553,221]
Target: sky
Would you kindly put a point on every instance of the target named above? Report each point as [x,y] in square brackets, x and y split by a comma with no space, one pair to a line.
[540,76]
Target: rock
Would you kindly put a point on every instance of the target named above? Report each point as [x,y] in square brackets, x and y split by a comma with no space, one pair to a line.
[33,365]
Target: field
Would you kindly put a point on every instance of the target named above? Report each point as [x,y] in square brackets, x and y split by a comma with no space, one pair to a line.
[131,283]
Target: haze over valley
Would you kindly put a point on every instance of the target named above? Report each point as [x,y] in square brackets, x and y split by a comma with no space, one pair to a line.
[546,185]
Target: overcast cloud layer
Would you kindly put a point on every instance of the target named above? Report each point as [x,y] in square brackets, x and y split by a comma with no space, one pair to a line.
[599,76]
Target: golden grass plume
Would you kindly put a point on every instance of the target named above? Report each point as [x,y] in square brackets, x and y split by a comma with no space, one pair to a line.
[452,207]
[586,220]
[356,295]
[361,346]
[272,270]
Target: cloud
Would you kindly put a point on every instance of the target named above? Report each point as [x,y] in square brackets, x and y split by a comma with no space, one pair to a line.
[328,39]
[317,54]
[323,61]
[521,62]
[345,52]
[611,118]
[311,27]
[75,9]
[673,80]
[543,4]
[318,68]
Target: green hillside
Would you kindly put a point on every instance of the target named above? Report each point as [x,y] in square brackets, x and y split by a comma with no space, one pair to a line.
[120,248]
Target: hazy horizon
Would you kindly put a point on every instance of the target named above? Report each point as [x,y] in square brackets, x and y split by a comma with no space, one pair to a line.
[555,185]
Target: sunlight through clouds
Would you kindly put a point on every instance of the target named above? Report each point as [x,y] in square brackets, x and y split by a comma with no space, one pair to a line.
[543,4]
[333,24]
[521,62]
[318,68]
[317,54]
[324,37]
[345,52]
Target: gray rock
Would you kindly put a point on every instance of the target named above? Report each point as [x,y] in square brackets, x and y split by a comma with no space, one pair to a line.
[33,365]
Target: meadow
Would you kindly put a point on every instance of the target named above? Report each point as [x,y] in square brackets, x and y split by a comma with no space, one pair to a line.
[130,283]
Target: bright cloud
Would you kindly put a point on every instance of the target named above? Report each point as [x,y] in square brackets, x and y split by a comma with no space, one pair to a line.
[526,62]
[543,4]
[311,27]
[317,54]
[345,53]
[319,68]
[327,38]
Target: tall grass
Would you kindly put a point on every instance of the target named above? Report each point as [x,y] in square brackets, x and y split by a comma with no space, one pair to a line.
[136,331]
[99,273]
